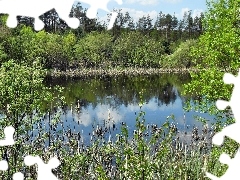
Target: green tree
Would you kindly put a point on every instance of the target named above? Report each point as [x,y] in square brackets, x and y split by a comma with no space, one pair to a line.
[136,50]
[174,25]
[159,24]
[129,20]
[94,49]
[218,48]
[168,25]
[217,53]
[189,24]
[181,58]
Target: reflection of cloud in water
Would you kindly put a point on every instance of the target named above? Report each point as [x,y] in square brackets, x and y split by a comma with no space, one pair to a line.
[84,117]
[154,113]
[105,112]
[132,107]
[152,105]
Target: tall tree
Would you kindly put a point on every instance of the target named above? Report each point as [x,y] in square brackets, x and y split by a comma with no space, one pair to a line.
[174,27]
[144,24]
[149,24]
[180,29]
[189,23]
[159,24]
[51,21]
[86,25]
[184,25]
[168,25]
[120,22]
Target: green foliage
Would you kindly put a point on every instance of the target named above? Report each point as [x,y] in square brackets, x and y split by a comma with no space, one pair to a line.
[219,46]
[68,43]
[52,49]
[217,53]
[21,90]
[3,55]
[134,49]
[94,48]
[181,57]
[149,154]
[5,31]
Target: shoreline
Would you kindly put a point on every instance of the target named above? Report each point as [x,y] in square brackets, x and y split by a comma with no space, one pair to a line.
[78,73]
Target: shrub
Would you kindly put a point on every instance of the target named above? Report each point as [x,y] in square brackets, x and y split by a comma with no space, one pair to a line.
[94,49]
[182,56]
[134,49]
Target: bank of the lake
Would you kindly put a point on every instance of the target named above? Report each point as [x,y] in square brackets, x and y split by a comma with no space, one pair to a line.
[88,72]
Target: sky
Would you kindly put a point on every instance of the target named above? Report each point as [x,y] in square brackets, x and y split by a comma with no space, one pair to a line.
[138,8]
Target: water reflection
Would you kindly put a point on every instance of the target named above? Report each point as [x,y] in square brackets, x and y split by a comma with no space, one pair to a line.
[109,101]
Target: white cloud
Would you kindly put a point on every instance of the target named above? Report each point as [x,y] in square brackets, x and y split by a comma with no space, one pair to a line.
[151,106]
[184,10]
[151,2]
[83,118]
[142,2]
[86,116]
[171,1]
[135,14]
[195,12]
[104,112]
[133,107]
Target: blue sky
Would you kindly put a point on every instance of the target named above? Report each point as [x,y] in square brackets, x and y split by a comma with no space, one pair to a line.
[138,8]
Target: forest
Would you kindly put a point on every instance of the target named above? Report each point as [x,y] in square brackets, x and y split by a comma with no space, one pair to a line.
[164,43]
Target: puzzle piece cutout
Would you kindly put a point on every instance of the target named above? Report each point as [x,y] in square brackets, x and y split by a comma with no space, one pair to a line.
[95,5]
[8,132]
[44,170]
[3,165]
[231,131]
[8,141]
[18,176]
[35,8]
[234,100]
[232,172]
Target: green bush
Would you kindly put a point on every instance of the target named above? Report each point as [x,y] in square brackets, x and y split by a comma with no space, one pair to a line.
[52,49]
[181,57]
[3,55]
[94,49]
[134,49]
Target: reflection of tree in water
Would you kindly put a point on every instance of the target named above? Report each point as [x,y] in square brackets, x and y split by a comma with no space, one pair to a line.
[122,90]
[168,95]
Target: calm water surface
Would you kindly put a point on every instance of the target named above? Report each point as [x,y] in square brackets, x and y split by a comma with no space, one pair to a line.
[109,101]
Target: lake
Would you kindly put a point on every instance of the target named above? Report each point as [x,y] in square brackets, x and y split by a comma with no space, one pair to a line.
[107,102]
[98,107]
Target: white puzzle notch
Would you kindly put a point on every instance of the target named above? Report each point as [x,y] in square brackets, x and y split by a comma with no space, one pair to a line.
[8,133]
[44,170]
[232,131]
[36,8]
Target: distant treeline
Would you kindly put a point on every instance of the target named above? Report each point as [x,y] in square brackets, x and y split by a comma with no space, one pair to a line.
[163,43]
